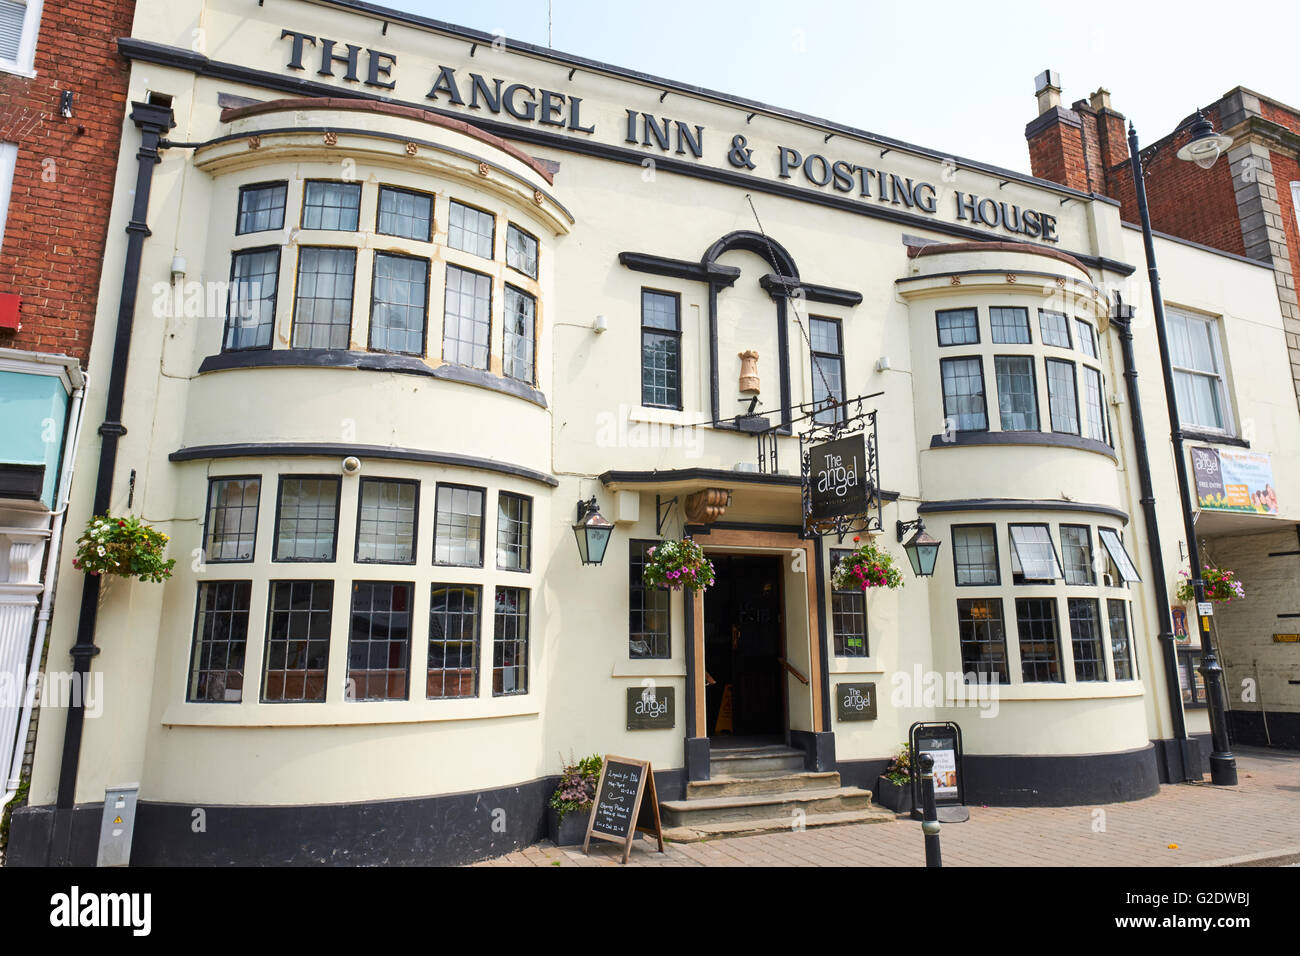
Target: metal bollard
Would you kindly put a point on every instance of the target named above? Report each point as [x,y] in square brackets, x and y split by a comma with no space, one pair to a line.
[930,824]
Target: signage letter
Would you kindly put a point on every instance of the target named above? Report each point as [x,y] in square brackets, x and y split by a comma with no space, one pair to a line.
[446,83]
[295,58]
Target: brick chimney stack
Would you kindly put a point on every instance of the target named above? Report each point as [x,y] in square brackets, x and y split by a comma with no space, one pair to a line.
[1082,147]
[1056,151]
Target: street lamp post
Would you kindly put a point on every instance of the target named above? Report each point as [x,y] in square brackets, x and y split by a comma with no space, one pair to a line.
[1204,148]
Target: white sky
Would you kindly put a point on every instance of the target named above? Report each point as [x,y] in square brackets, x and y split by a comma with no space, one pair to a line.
[953,76]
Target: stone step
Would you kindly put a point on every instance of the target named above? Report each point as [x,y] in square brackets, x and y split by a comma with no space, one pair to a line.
[695,833]
[721,786]
[751,760]
[762,806]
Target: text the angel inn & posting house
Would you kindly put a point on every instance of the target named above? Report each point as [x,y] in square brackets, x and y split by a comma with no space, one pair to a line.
[406,295]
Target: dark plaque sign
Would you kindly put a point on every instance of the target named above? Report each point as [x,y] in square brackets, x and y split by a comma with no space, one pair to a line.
[650,708]
[856,701]
[619,810]
[838,478]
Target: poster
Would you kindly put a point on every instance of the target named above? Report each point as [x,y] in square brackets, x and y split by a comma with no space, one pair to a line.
[1181,635]
[1229,479]
[945,771]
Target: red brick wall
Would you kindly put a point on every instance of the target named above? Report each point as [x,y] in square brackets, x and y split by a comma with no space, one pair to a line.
[1184,199]
[1285,172]
[1056,154]
[55,231]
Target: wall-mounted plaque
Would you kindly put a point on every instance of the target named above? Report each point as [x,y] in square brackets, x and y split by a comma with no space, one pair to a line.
[855,701]
[650,708]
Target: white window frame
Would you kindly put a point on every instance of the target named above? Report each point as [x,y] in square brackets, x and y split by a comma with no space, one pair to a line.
[24,63]
[8,161]
[1221,376]
[1295,202]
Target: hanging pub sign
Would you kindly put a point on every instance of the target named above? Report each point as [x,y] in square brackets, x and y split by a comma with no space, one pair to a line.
[840,471]
[839,482]
[625,803]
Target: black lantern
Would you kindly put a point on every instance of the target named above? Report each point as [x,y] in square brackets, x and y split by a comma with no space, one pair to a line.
[592,532]
[1206,146]
[922,550]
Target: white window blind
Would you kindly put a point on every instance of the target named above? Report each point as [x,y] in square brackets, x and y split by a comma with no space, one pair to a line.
[19,22]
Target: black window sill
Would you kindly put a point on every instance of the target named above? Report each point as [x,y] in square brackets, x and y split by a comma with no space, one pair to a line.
[1213,438]
[1056,439]
[371,362]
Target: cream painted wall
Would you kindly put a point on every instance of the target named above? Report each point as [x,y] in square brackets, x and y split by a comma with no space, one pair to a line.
[254,753]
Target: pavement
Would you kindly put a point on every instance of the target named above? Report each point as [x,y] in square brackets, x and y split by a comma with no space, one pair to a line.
[1256,823]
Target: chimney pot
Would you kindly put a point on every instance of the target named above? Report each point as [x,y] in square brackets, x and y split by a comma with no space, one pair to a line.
[1101,99]
[1047,87]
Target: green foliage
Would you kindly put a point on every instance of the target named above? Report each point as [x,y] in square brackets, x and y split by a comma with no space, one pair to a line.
[866,567]
[899,770]
[1221,586]
[577,789]
[123,546]
[678,564]
[20,798]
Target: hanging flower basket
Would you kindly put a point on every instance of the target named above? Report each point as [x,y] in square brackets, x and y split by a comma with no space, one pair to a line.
[676,565]
[864,568]
[1221,586]
[126,547]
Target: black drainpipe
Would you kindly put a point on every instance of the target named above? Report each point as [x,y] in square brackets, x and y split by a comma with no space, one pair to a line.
[153,122]
[1122,319]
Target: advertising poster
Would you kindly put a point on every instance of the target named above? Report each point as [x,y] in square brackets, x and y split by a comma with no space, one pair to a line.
[1181,635]
[1234,480]
[945,769]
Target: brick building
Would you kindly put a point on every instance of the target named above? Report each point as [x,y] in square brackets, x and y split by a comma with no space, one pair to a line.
[62,90]
[1248,206]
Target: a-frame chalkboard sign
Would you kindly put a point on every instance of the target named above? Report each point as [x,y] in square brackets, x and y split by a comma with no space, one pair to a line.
[625,803]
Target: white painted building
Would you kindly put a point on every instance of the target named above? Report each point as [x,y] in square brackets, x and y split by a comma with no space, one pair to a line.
[408,296]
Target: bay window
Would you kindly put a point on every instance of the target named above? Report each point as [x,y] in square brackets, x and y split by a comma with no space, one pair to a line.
[1017,392]
[399,300]
[963,394]
[322,313]
[1062,398]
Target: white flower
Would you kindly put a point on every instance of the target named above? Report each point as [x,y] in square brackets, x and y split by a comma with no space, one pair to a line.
[101,551]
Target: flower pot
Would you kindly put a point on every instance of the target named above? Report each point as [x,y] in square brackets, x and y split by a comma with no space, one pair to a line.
[895,796]
[569,833]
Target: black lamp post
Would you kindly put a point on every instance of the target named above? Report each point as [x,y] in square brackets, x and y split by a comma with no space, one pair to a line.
[592,531]
[922,550]
[1204,149]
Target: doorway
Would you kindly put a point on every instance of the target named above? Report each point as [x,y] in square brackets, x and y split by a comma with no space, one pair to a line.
[743,647]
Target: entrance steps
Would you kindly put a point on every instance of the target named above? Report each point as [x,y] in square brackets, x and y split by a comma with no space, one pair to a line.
[764,790]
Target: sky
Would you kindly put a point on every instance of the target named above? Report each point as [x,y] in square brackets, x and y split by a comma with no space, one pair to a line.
[955,77]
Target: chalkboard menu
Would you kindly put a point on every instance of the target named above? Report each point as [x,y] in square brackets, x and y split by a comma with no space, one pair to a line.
[618,812]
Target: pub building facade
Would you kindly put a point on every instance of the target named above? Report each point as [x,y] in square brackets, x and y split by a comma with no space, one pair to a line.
[465,286]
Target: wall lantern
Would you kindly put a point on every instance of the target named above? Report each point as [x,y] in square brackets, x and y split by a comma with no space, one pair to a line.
[1205,146]
[592,532]
[922,550]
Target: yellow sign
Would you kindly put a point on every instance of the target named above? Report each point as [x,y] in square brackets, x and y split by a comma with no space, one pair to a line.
[1286,638]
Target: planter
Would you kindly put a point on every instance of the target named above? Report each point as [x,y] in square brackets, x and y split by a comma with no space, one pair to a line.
[569,833]
[895,796]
